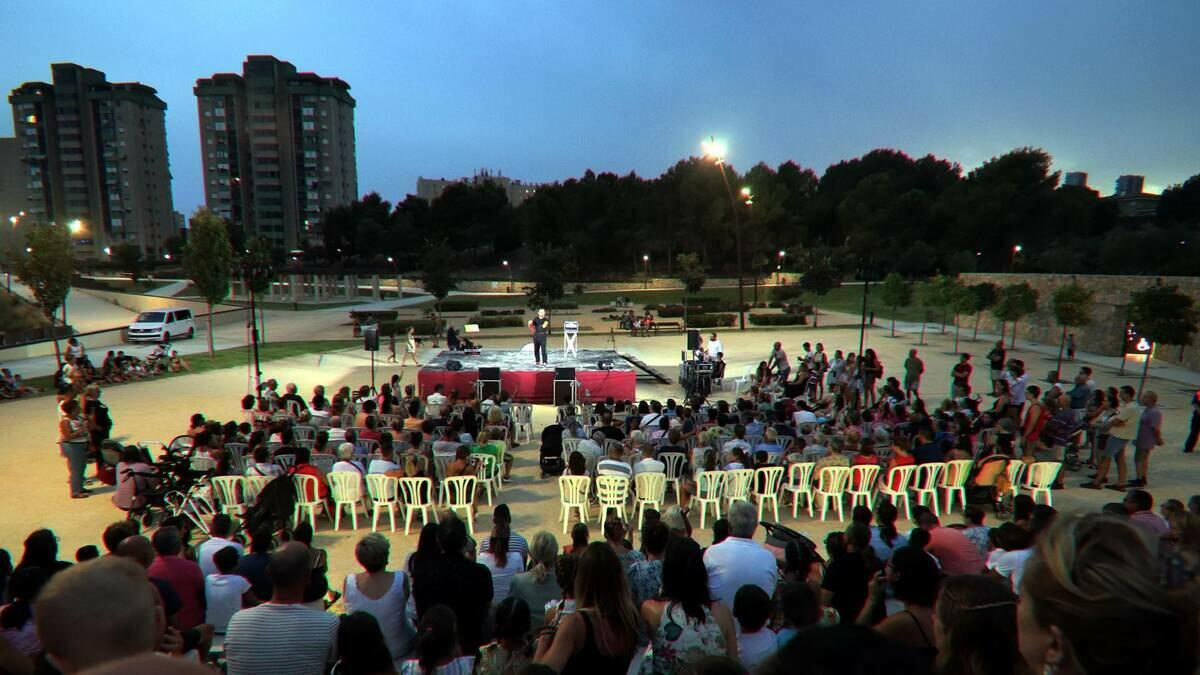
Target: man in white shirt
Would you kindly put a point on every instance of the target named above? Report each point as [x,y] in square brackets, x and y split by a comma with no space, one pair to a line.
[385,464]
[1017,378]
[336,433]
[435,400]
[649,465]
[219,531]
[283,635]
[614,465]
[715,348]
[592,448]
[803,415]
[738,440]
[739,560]
[224,591]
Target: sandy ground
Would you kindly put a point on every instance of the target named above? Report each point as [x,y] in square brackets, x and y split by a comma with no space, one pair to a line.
[33,491]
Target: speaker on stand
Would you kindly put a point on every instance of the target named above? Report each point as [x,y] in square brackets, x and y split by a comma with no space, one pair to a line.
[370,333]
[566,387]
[488,383]
[693,339]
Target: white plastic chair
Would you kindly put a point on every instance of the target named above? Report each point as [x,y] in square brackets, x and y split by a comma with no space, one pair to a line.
[800,485]
[323,461]
[612,492]
[439,471]
[486,473]
[231,493]
[345,488]
[926,481]
[285,461]
[708,492]
[831,485]
[383,493]
[573,494]
[651,489]
[460,496]
[255,485]
[523,419]
[304,485]
[767,481]
[901,477]
[862,484]
[1041,477]
[955,481]
[737,485]
[675,462]
[416,494]
[1016,472]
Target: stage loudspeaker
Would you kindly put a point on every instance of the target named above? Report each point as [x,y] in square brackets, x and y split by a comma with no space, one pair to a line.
[454,365]
[564,374]
[489,380]
[693,340]
[562,392]
[489,374]
[604,364]
[370,333]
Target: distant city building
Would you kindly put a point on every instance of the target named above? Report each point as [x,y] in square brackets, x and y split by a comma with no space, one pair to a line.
[12,195]
[95,151]
[1132,202]
[278,148]
[430,189]
[1129,185]
[1076,179]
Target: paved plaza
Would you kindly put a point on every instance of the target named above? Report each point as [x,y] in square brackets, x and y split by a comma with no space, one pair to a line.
[34,476]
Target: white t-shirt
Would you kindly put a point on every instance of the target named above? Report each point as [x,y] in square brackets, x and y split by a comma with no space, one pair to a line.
[336,434]
[276,638]
[715,348]
[501,576]
[736,562]
[206,551]
[435,400]
[1010,565]
[223,596]
[649,465]
[756,647]
[264,469]
[803,416]
[382,466]
[613,467]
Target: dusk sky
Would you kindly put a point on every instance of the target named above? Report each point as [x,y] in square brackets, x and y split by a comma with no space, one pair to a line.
[545,90]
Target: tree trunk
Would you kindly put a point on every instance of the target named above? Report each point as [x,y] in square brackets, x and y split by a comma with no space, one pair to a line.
[893,322]
[816,316]
[975,335]
[262,323]
[1145,372]
[943,320]
[1003,326]
[211,355]
[956,322]
[922,333]
[1014,337]
[1062,344]
[54,338]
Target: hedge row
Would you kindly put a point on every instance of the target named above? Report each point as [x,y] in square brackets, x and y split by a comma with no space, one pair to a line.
[778,320]
[502,312]
[423,326]
[498,321]
[564,305]
[787,292]
[676,311]
[460,306]
[710,320]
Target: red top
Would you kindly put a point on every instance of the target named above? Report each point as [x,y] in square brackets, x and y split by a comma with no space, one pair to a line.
[899,460]
[310,470]
[188,581]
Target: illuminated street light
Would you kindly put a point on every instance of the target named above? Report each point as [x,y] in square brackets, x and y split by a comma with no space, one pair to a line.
[508,270]
[166,256]
[716,150]
[107,250]
[645,271]
[75,226]
[1017,248]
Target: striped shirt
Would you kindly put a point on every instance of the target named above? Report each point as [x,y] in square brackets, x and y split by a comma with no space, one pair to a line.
[286,639]
[515,543]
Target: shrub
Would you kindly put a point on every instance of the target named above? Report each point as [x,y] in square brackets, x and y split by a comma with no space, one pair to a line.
[498,321]
[710,320]
[601,310]
[460,306]
[564,305]
[502,312]
[400,327]
[787,292]
[778,320]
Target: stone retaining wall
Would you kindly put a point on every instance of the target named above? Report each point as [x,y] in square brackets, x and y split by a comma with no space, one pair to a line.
[1105,335]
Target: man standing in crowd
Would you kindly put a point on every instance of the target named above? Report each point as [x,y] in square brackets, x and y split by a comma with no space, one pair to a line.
[1121,429]
[715,348]
[1189,446]
[779,360]
[913,369]
[540,327]
[996,363]
[961,377]
[1149,436]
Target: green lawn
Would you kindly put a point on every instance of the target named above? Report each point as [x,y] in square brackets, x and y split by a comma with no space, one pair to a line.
[230,358]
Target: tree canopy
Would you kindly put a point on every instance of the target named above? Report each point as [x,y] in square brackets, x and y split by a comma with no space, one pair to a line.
[208,261]
[47,266]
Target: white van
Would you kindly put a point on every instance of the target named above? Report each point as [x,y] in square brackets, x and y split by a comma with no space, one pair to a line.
[159,324]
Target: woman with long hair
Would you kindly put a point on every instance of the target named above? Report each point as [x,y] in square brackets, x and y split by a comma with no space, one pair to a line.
[437,647]
[510,652]
[361,647]
[1092,601]
[914,578]
[885,538]
[684,624]
[852,563]
[601,635]
[538,587]
[975,627]
[73,444]
[500,561]
[614,534]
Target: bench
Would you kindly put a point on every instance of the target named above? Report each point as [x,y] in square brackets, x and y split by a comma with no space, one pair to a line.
[663,327]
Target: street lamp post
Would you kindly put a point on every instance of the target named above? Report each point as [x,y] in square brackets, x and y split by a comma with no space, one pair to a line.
[1012,261]
[645,271]
[508,271]
[779,269]
[715,150]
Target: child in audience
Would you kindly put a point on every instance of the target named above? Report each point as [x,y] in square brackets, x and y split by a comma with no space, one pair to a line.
[800,607]
[752,608]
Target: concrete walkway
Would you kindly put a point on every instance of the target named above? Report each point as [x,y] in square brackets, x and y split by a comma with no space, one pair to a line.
[170,290]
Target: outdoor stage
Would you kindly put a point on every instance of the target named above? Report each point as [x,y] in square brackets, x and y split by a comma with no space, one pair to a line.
[524,380]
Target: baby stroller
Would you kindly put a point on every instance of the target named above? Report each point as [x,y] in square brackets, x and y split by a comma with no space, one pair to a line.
[1069,437]
[274,507]
[172,488]
[550,454]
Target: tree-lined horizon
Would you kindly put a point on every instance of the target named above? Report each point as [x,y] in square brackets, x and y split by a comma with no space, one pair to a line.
[914,216]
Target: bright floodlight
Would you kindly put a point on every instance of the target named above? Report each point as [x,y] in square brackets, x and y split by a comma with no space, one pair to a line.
[166,256]
[75,226]
[714,148]
[782,253]
[746,192]
[1017,248]
[505,263]
[645,258]
[13,220]
[107,250]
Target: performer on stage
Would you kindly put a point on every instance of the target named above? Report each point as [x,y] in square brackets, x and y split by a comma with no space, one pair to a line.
[540,327]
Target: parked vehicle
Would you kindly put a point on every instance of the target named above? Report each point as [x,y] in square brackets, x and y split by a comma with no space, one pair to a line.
[159,324]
